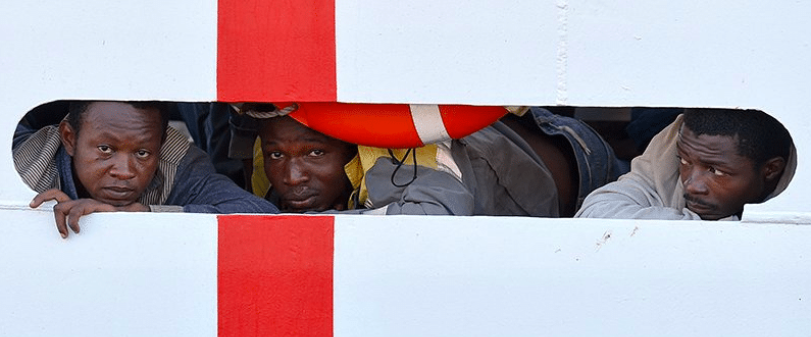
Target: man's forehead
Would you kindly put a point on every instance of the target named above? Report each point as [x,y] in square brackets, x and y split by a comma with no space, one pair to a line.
[121,116]
[120,108]
[686,134]
[712,148]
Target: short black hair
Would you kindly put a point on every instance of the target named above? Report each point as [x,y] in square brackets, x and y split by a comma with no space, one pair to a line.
[77,109]
[760,136]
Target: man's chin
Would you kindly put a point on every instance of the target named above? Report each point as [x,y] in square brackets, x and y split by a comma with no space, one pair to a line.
[116,202]
[704,211]
[117,198]
[708,215]
[300,210]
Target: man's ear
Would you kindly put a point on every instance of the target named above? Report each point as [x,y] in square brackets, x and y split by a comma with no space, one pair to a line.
[68,137]
[773,168]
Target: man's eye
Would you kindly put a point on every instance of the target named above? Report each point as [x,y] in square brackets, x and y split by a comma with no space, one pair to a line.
[716,172]
[316,153]
[683,162]
[275,155]
[142,154]
[105,149]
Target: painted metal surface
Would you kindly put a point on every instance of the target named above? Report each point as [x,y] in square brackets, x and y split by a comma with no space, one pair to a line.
[275,276]
[276,50]
[156,274]
[442,52]
[124,275]
[481,276]
[692,53]
[148,274]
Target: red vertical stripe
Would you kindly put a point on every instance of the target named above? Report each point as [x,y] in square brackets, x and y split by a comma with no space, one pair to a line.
[275,275]
[276,50]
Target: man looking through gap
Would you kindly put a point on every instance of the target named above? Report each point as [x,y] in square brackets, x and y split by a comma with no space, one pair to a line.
[122,156]
[706,165]
[491,172]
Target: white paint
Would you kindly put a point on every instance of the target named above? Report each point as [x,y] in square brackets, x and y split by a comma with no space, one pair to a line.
[484,276]
[687,53]
[563,49]
[131,49]
[446,52]
[749,54]
[428,123]
[123,275]
[598,53]
[150,274]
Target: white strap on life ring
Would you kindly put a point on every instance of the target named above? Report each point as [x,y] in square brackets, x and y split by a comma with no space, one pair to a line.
[428,122]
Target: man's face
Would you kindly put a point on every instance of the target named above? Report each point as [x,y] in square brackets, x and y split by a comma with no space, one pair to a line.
[717,181]
[115,153]
[305,167]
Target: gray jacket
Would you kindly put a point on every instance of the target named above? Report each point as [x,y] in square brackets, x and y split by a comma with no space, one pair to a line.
[500,175]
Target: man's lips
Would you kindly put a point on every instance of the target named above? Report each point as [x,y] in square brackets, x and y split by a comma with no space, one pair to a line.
[300,204]
[118,193]
[698,206]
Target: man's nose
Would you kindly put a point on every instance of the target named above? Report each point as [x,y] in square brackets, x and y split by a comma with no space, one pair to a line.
[122,167]
[295,173]
[695,182]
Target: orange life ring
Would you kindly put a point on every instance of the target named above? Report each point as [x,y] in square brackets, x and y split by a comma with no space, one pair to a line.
[393,125]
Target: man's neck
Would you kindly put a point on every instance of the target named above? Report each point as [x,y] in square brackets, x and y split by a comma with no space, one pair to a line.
[80,190]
